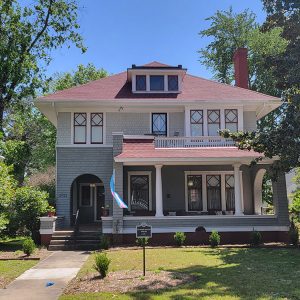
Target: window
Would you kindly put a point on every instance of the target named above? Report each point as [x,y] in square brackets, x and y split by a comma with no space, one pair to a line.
[213,192]
[140,82]
[139,192]
[229,192]
[96,128]
[194,186]
[85,195]
[80,128]
[196,119]
[157,82]
[172,82]
[231,119]
[213,122]
[159,124]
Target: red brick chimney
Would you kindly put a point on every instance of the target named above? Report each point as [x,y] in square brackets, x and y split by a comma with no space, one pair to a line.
[241,67]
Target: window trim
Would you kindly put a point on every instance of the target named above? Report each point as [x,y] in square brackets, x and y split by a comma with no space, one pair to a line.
[219,123]
[167,122]
[237,116]
[141,173]
[86,126]
[194,110]
[91,126]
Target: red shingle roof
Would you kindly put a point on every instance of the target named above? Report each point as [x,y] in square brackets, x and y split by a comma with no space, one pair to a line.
[146,149]
[116,87]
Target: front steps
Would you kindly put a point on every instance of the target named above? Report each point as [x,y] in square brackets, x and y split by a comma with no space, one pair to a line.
[67,240]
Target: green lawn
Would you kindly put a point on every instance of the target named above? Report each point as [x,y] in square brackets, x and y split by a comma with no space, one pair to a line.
[220,273]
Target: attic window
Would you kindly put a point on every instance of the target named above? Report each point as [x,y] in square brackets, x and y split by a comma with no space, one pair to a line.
[157,83]
[141,82]
[172,82]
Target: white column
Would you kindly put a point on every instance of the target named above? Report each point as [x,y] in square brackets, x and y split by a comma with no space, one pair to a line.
[187,122]
[223,192]
[158,192]
[237,190]
[204,193]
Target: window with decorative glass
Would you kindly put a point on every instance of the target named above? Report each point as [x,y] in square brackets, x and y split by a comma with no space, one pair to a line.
[139,192]
[140,82]
[213,184]
[80,123]
[96,128]
[229,192]
[196,120]
[231,119]
[159,124]
[173,83]
[194,188]
[213,122]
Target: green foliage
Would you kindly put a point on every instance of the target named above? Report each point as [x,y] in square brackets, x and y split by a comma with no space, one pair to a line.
[229,31]
[28,246]
[255,238]
[214,239]
[101,264]
[294,207]
[104,242]
[179,238]
[141,242]
[294,234]
[267,190]
[29,205]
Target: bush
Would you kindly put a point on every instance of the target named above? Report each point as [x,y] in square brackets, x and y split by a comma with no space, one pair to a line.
[28,246]
[255,238]
[179,238]
[104,242]
[101,264]
[142,241]
[214,239]
[294,234]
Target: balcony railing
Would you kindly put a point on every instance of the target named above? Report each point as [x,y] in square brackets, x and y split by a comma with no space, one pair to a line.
[191,142]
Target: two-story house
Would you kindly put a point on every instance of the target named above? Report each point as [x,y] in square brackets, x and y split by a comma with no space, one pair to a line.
[157,127]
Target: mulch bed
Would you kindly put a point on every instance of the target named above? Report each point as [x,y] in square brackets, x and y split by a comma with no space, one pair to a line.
[127,281]
[39,254]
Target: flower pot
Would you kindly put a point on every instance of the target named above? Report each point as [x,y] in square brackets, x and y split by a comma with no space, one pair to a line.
[51,213]
[104,212]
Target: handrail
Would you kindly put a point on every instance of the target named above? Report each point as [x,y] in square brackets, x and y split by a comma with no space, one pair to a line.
[76,225]
[192,142]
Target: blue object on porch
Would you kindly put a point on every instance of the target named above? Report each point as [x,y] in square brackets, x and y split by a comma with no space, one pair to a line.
[49,283]
[115,194]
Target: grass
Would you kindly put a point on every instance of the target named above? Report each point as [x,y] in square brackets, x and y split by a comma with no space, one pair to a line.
[10,269]
[221,273]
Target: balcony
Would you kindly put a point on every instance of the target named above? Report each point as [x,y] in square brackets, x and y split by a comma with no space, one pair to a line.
[192,142]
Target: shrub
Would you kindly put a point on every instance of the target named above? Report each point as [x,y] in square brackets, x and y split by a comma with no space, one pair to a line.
[294,234]
[142,241]
[104,242]
[101,264]
[28,246]
[179,238]
[255,238]
[214,239]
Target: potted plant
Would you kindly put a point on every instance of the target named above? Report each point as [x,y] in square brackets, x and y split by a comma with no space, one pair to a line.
[105,211]
[51,211]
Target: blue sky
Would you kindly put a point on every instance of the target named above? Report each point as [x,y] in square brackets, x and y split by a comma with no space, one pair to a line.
[119,33]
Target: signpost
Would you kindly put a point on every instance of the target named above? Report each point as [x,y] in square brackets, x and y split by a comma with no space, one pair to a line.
[144,231]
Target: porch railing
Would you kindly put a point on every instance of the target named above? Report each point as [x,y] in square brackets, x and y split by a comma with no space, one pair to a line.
[190,142]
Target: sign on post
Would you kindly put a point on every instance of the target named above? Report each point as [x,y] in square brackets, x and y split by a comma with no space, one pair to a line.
[144,231]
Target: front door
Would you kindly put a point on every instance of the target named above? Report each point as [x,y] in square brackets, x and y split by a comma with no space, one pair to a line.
[91,200]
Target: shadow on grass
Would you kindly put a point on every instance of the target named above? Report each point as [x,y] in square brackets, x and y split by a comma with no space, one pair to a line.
[11,244]
[239,274]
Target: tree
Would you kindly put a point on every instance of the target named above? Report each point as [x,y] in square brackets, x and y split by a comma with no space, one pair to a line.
[230,31]
[28,35]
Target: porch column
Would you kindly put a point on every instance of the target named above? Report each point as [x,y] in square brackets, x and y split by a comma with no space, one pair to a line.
[237,190]
[158,192]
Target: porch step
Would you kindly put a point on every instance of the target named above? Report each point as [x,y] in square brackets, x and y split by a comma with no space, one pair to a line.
[85,247]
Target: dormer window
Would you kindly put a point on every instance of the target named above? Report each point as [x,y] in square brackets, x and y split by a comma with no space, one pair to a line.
[157,83]
[141,82]
[172,83]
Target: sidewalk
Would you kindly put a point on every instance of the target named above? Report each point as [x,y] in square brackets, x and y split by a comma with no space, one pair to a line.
[59,268]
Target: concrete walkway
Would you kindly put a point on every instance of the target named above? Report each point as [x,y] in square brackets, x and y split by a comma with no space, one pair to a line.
[59,268]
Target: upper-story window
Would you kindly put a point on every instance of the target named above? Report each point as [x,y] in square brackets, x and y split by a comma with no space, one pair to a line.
[196,119]
[141,82]
[159,123]
[157,83]
[172,83]
[213,121]
[80,124]
[96,128]
[231,119]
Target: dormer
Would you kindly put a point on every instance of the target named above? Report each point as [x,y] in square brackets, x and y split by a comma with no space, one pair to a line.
[156,78]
